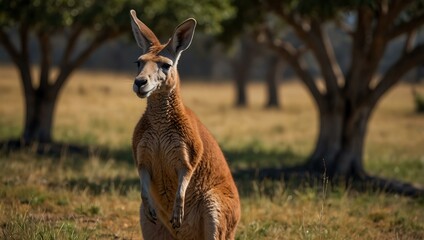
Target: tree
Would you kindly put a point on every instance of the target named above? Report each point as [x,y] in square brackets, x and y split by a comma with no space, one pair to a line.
[242,63]
[243,26]
[250,50]
[349,98]
[82,23]
[273,71]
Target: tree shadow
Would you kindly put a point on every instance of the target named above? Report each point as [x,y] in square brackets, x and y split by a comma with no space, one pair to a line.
[251,168]
[302,177]
[252,158]
[59,150]
[76,156]
[118,185]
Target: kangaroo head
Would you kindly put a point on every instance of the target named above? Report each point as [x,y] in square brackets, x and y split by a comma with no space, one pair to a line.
[157,63]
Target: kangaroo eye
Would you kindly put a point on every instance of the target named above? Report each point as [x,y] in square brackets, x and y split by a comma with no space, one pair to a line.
[165,67]
[138,63]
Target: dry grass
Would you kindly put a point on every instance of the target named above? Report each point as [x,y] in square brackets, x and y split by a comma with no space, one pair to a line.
[97,197]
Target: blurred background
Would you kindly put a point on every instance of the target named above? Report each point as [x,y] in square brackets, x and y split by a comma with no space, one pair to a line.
[317,105]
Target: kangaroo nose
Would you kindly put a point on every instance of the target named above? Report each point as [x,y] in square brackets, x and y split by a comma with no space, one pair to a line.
[140,82]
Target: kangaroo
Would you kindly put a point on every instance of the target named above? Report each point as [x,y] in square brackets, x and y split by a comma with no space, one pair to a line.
[187,189]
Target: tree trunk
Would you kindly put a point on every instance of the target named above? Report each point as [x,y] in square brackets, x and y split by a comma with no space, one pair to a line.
[39,112]
[272,81]
[240,77]
[340,143]
[241,67]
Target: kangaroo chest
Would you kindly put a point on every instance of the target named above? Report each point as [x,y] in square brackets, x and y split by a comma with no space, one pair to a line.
[162,147]
[162,153]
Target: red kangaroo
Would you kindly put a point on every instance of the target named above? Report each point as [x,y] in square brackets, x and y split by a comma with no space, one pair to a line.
[187,189]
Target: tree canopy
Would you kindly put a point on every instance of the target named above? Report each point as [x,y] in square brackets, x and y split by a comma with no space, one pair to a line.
[110,15]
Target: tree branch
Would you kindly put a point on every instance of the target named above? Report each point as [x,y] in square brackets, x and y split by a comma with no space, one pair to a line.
[406,27]
[344,26]
[325,56]
[317,40]
[293,57]
[289,53]
[377,44]
[396,71]
[360,47]
[24,62]
[66,70]
[409,41]
[70,46]
[45,63]
[390,11]
[7,44]
[23,36]
[396,6]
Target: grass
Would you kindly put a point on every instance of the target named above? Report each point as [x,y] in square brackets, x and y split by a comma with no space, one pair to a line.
[96,196]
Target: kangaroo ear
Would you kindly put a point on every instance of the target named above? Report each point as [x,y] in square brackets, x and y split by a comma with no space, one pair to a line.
[142,34]
[182,37]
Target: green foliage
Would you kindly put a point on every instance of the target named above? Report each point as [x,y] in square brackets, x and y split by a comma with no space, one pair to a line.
[321,9]
[208,14]
[110,15]
[324,9]
[249,14]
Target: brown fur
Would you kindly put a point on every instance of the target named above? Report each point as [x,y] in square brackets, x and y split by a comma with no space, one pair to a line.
[187,188]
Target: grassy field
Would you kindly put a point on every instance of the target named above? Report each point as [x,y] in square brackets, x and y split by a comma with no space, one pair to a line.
[96,196]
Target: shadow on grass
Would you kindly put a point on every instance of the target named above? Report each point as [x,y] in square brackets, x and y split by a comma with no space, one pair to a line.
[254,170]
[244,157]
[245,162]
[252,158]
[74,157]
[116,185]
[59,150]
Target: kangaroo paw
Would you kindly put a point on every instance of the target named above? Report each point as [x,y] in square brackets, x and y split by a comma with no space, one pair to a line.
[177,216]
